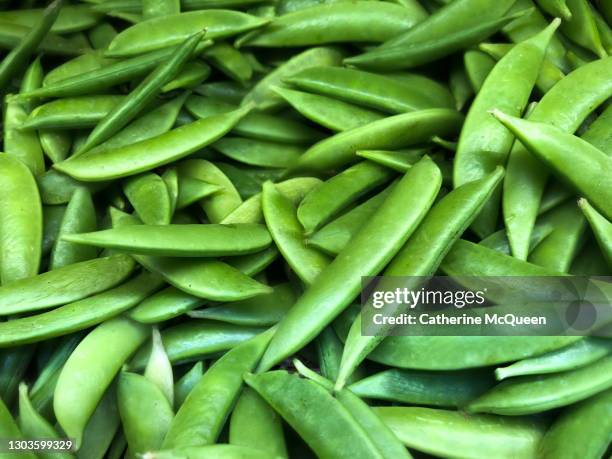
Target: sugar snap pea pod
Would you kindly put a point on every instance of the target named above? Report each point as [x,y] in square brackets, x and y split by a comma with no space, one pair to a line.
[555,194]
[149,196]
[218,451]
[101,35]
[337,285]
[23,145]
[329,351]
[259,152]
[56,188]
[14,363]
[423,253]
[482,144]
[445,389]
[20,221]
[459,85]
[344,22]
[88,372]
[285,228]
[76,66]
[157,8]
[200,419]
[118,446]
[599,133]
[63,285]
[399,161]
[582,430]
[345,437]
[379,92]
[12,35]
[71,113]
[145,412]
[52,219]
[150,153]
[605,31]
[575,160]
[602,229]
[323,203]
[159,368]
[534,394]
[263,94]
[328,112]
[556,8]
[170,178]
[101,428]
[186,383]
[55,144]
[582,28]
[227,91]
[455,434]
[193,74]
[260,311]
[152,34]
[264,435]
[71,18]
[193,190]
[229,61]
[498,241]
[247,180]
[590,261]
[10,429]
[388,133]
[478,65]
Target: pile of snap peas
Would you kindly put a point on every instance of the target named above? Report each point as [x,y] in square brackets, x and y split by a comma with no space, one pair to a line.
[191,192]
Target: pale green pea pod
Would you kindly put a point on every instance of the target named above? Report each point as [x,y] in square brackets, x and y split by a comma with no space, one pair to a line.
[171,180]
[9,428]
[149,196]
[498,241]
[55,144]
[159,368]
[459,85]
[477,65]
[191,190]
[218,451]
[159,8]
[23,145]
[186,383]
[601,227]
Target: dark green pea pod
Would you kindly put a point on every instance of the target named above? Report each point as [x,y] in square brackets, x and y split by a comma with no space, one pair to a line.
[71,18]
[535,394]
[388,133]
[255,262]
[446,433]
[385,93]
[148,154]
[186,383]
[444,389]
[145,412]
[66,284]
[159,368]
[55,144]
[152,34]
[228,92]
[599,133]
[194,73]
[218,451]
[602,229]
[258,152]
[52,219]
[459,85]
[482,143]
[328,112]
[14,363]
[20,222]
[149,196]
[590,261]
[337,285]
[477,65]
[284,226]
[260,311]
[555,194]
[101,428]
[200,419]
[9,429]
[230,62]
[75,397]
[323,203]
[498,241]
[266,434]
[11,35]
[192,190]
[582,430]
[556,8]
[344,437]
[581,27]
[604,29]
[80,216]
[157,8]
[118,446]
[263,94]
[248,180]
[421,256]
[329,351]
[23,145]
[56,188]
[71,113]
[101,35]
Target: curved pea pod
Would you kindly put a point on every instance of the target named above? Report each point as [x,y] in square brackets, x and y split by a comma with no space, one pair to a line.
[63,285]
[498,241]
[258,152]
[229,61]
[72,112]
[156,8]
[159,368]
[534,394]
[200,419]
[153,34]
[102,425]
[149,196]
[389,94]
[164,305]
[55,144]
[282,221]
[329,352]
[388,133]
[581,27]
[399,161]
[455,434]
[264,435]
[171,180]
[70,18]
[23,145]
[101,35]
[263,94]
[260,311]
[145,412]
[601,227]
[556,8]
[247,180]
[328,112]
[599,133]
[477,65]
[422,254]
[9,428]
[445,389]
[218,451]
[326,201]
[344,22]
[80,215]
[577,162]
[186,383]
[74,67]
[192,190]
[56,188]
[193,74]
[148,154]
[459,85]
[20,222]
[88,372]
[337,285]
[482,144]
[582,430]
[196,339]
[12,34]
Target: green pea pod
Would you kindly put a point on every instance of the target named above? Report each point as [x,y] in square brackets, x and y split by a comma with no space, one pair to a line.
[556,8]
[498,241]
[446,433]
[230,61]
[482,144]
[263,94]
[193,74]
[55,144]
[171,181]
[101,35]
[258,152]
[153,34]
[9,429]
[159,368]
[565,106]
[101,428]
[71,18]
[56,188]
[76,66]
[388,133]
[148,154]
[88,372]
[52,219]
[399,161]
[200,419]
[599,133]
[339,282]
[20,222]
[13,35]
[228,92]
[582,27]
[192,190]
[218,451]
[145,412]
[247,180]
[326,201]
[118,446]
[186,383]
[159,8]
[14,362]
[477,65]
[459,85]
[422,254]
[329,351]
[149,196]
[23,145]
[330,113]
[601,227]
